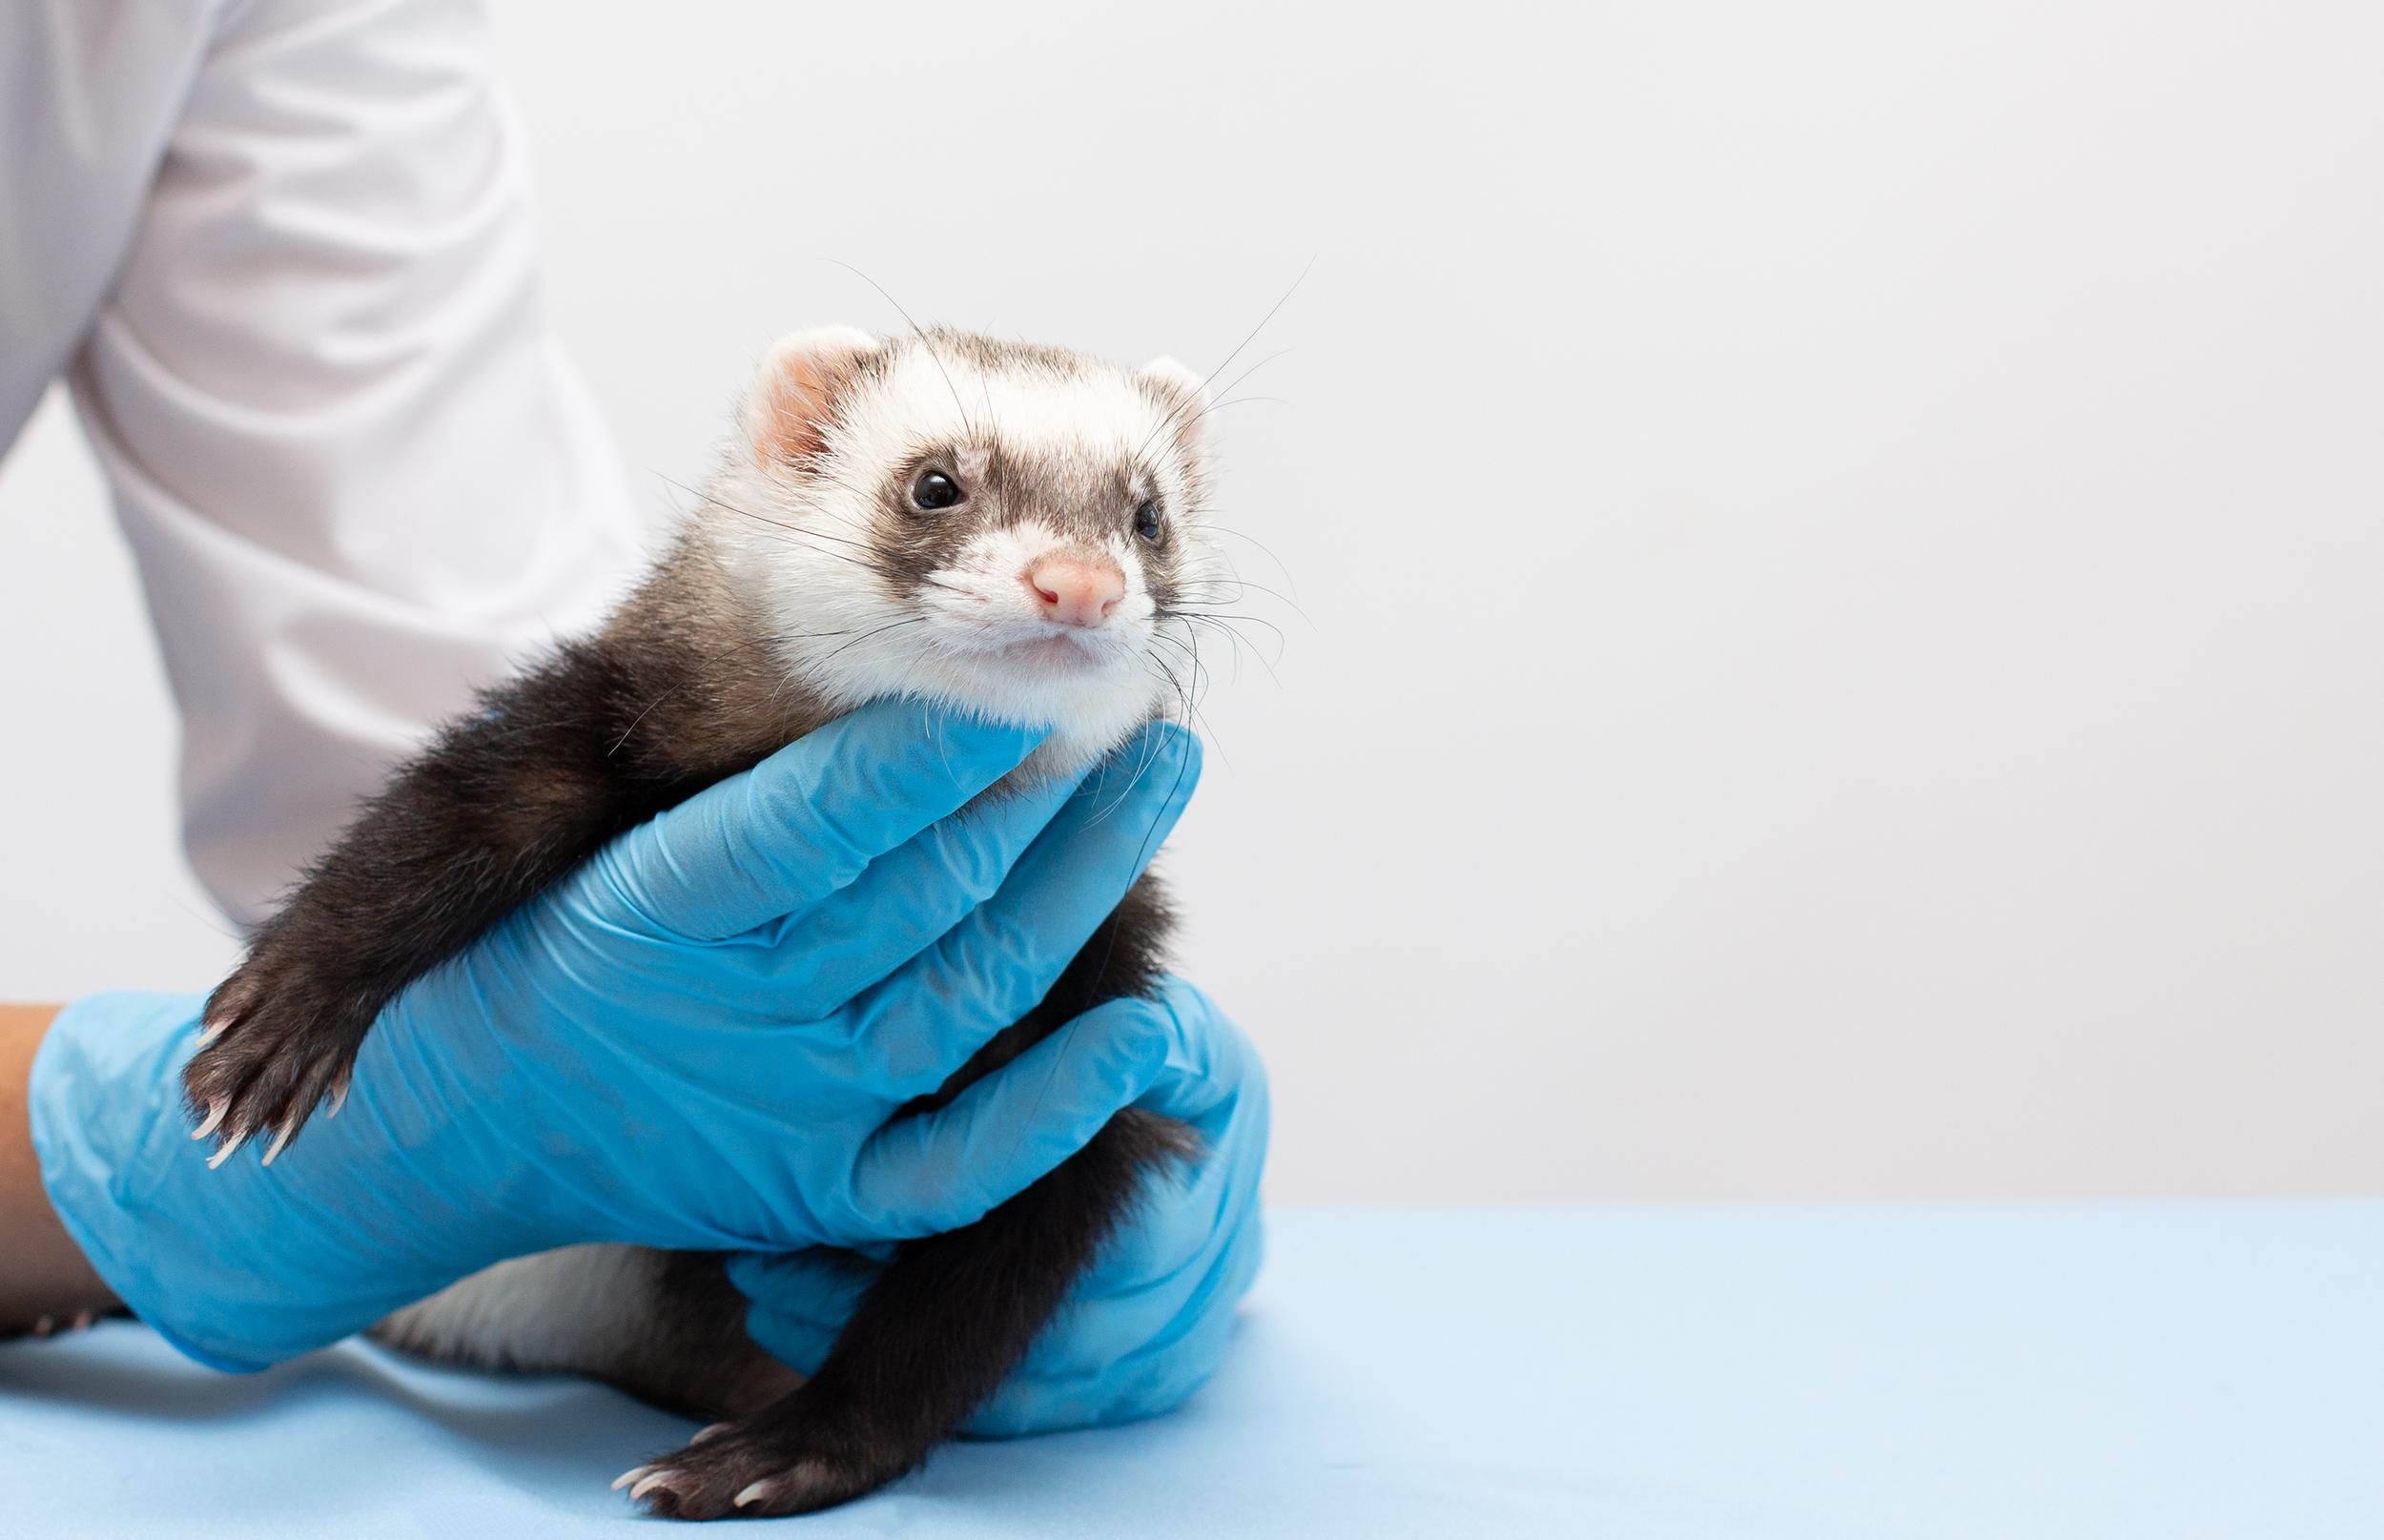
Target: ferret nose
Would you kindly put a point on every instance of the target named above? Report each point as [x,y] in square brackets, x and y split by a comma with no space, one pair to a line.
[1074,591]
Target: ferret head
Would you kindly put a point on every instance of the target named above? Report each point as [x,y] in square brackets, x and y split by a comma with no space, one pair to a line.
[995,525]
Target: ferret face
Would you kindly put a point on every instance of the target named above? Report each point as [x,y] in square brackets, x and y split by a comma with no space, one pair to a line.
[1003,527]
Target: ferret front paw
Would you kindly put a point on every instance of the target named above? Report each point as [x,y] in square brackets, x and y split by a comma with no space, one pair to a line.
[275,1043]
[779,1461]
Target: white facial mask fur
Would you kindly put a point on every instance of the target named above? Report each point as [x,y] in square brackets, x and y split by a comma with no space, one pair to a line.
[835,430]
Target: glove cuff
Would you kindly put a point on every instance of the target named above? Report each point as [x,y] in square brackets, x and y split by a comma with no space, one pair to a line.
[104,1125]
[238,1267]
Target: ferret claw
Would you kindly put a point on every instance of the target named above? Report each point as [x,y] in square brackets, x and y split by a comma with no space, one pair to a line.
[648,1485]
[226,1153]
[216,1110]
[210,1030]
[752,1494]
[280,1138]
[44,1326]
[82,1320]
[339,1100]
[714,1431]
[627,1476]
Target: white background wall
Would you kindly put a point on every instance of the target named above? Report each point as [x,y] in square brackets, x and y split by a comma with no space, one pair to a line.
[1841,547]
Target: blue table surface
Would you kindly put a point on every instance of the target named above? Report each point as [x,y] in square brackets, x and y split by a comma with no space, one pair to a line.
[2020,1372]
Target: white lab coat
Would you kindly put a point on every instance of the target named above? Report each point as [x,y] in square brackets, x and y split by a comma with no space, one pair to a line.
[282,252]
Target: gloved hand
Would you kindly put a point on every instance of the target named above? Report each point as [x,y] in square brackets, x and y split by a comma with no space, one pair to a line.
[694,1041]
[1150,1322]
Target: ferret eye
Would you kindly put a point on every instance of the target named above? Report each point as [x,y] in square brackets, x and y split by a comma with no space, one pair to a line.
[934,490]
[1146,523]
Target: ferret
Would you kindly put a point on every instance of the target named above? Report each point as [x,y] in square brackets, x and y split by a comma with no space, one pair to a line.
[1013,529]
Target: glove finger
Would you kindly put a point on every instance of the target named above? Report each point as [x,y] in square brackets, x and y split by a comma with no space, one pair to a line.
[993,967]
[799,1300]
[887,915]
[809,819]
[1211,1066]
[1066,1382]
[949,1167]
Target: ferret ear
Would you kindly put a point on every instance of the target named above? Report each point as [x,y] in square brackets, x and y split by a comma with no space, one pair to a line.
[791,401]
[1183,395]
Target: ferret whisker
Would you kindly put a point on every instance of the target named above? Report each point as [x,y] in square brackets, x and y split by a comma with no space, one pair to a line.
[1176,684]
[1200,676]
[1185,645]
[1103,781]
[804,539]
[1270,665]
[919,332]
[890,626]
[1226,622]
[1168,422]
[1240,582]
[1233,640]
[1244,617]
[1227,388]
[1102,809]
[1265,548]
[1271,311]
[648,708]
[1211,408]
[764,519]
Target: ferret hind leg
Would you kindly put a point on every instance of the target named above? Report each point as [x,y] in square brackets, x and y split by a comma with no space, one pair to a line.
[667,1328]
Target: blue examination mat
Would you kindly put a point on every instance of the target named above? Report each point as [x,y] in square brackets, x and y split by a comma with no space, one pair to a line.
[2102,1371]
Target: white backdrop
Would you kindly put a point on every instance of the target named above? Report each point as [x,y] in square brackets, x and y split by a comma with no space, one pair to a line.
[1839,548]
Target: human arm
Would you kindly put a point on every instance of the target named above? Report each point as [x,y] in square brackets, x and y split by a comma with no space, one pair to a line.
[286,250]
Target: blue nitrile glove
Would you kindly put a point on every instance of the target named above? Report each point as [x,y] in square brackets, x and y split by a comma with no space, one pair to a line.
[1147,1325]
[694,1041]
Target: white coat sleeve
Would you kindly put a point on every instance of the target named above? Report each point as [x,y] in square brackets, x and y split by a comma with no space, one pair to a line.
[358,476]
